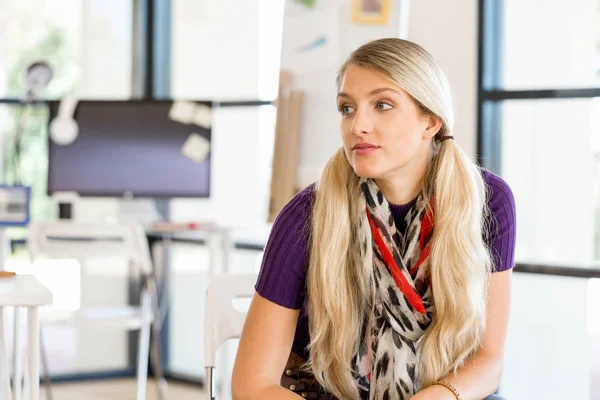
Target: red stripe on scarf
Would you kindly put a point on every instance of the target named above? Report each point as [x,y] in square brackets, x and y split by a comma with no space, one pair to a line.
[413,297]
[426,227]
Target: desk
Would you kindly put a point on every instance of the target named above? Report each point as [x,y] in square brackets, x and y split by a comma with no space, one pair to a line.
[22,291]
[218,239]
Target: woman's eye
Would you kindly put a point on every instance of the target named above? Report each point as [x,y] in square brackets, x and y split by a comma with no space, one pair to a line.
[346,110]
[383,106]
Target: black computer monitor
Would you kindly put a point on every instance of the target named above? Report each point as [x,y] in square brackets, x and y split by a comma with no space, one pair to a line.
[127,148]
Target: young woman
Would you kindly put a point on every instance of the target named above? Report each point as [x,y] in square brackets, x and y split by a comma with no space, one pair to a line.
[390,277]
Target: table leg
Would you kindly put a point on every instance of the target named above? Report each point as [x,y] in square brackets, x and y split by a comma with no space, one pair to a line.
[33,327]
[18,355]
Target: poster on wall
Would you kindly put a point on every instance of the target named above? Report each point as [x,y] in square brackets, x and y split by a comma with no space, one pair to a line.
[375,12]
[311,41]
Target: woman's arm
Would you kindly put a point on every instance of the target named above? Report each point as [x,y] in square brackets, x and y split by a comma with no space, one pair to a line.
[480,375]
[263,351]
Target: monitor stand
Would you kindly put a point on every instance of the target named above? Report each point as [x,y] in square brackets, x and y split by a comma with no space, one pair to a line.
[143,211]
[66,202]
[65,210]
[162,206]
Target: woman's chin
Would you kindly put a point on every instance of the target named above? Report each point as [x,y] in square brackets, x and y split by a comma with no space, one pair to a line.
[366,171]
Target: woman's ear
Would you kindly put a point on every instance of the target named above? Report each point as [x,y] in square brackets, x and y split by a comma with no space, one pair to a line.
[434,124]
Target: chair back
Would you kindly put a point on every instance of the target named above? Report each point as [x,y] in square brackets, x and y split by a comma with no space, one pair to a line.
[66,239]
[222,320]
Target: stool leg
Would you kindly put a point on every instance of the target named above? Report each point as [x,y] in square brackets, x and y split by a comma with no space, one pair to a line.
[143,348]
[33,327]
[157,364]
[155,350]
[209,382]
[4,371]
[26,383]
[45,368]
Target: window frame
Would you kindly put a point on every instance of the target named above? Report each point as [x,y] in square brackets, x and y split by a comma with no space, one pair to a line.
[489,101]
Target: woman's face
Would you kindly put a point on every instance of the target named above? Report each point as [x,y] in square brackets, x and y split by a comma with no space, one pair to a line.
[383,129]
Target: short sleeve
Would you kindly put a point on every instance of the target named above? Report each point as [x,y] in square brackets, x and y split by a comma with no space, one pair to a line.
[501,230]
[282,277]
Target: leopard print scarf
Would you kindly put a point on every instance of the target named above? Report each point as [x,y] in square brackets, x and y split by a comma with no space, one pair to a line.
[395,267]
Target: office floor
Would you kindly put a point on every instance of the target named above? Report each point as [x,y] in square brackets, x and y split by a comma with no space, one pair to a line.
[119,389]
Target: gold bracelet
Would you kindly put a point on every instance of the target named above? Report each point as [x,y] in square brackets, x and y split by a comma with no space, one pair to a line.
[450,388]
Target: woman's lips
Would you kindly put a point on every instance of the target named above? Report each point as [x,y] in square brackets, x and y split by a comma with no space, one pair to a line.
[363,149]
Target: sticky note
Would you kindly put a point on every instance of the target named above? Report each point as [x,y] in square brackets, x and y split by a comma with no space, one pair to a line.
[203,116]
[183,112]
[196,148]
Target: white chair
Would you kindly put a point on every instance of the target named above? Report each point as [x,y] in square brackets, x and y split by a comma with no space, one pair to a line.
[222,320]
[65,239]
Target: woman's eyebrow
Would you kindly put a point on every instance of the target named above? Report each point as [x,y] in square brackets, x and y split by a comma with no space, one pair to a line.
[384,89]
[372,93]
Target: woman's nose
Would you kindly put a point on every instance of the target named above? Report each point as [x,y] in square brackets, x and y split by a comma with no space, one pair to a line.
[362,124]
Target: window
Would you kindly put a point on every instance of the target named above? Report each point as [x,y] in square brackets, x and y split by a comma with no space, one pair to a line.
[88,45]
[539,123]
[39,30]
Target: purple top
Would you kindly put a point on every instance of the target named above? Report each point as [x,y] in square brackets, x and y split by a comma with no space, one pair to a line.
[283,272]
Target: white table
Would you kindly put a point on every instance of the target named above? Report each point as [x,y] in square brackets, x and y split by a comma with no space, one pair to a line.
[22,291]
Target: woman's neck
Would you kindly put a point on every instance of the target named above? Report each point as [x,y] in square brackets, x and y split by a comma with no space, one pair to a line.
[399,192]
[402,186]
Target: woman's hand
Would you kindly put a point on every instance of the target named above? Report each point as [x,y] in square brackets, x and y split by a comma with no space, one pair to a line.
[435,392]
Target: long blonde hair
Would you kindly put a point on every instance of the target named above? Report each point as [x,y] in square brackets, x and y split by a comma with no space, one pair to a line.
[459,261]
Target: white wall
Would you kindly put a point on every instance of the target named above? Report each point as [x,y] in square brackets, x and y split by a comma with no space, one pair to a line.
[553,341]
[448,30]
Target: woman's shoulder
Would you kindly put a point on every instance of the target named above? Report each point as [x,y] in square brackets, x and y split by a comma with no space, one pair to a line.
[285,259]
[500,195]
[500,232]
[298,210]
[302,201]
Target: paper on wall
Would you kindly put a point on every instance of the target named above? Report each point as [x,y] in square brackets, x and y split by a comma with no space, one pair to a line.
[311,41]
[196,148]
[183,112]
[203,116]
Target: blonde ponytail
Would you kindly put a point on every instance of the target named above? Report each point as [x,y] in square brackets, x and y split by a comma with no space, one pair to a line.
[459,263]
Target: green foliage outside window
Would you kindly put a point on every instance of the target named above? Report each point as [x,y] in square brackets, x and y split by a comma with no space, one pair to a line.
[56,49]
